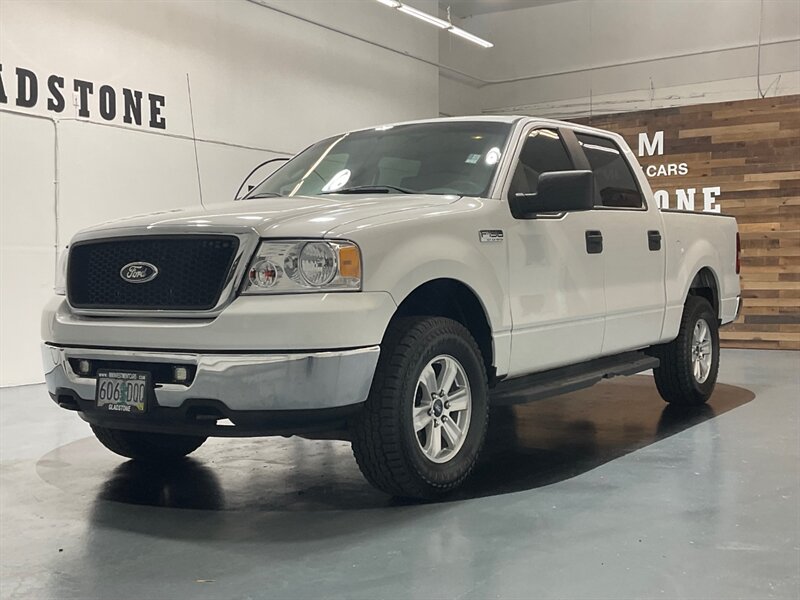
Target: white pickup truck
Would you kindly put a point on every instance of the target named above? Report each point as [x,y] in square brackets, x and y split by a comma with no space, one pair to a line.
[385,286]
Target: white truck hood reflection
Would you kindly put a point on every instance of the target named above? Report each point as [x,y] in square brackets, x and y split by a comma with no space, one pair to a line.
[298,216]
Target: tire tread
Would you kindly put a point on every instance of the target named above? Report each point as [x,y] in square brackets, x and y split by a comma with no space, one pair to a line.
[673,377]
[377,435]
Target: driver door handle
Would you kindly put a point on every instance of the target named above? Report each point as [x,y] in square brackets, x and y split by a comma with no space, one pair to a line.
[594,241]
[654,240]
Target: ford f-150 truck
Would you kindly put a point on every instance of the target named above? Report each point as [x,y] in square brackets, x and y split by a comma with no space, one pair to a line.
[386,286]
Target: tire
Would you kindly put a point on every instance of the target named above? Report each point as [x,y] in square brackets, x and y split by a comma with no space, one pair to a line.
[393,453]
[676,377]
[147,447]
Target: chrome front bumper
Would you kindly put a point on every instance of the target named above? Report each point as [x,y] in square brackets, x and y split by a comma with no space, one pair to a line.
[241,382]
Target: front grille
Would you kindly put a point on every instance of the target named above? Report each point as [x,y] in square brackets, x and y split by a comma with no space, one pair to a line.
[192,271]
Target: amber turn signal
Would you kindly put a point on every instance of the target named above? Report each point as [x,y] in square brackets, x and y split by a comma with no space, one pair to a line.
[349,262]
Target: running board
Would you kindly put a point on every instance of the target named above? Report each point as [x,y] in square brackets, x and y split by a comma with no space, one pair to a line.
[568,379]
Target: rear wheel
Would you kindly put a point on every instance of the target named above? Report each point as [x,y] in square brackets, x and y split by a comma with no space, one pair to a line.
[146,446]
[689,364]
[425,420]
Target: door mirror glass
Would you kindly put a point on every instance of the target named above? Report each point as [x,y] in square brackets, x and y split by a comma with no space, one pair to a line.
[556,192]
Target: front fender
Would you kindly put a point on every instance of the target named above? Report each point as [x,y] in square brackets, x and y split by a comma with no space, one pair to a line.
[402,252]
[413,263]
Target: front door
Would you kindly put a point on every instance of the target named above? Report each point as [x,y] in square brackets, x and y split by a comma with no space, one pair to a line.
[556,285]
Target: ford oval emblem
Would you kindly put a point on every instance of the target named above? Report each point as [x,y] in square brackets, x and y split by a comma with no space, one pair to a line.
[138,272]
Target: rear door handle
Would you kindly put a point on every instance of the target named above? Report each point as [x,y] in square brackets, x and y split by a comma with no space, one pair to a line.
[654,240]
[594,241]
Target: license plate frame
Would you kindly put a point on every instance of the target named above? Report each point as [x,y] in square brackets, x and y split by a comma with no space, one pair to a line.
[123,392]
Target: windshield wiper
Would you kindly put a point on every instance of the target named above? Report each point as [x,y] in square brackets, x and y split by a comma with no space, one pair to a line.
[371,189]
[262,195]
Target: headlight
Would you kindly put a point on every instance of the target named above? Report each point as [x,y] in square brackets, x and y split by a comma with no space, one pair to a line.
[60,285]
[297,266]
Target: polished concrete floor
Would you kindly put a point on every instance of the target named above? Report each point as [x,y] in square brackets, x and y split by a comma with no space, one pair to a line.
[604,493]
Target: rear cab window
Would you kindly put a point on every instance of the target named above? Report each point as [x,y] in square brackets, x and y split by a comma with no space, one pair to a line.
[615,181]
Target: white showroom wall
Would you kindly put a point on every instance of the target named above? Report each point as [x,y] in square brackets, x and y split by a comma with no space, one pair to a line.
[578,57]
[262,83]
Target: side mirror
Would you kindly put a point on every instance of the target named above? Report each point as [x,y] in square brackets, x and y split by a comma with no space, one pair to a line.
[557,192]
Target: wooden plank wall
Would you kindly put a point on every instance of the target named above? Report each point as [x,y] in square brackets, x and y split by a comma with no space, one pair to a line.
[751,150]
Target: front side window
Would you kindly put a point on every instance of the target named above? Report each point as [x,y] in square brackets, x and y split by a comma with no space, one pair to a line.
[542,152]
[452,157]
[616,185]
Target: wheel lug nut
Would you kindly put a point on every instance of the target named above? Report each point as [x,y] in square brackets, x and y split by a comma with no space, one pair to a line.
[447,405]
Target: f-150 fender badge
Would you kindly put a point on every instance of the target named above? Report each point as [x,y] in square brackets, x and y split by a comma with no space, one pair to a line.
[491,235]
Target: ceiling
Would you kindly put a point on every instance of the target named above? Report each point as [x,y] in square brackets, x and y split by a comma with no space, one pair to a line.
[468,8]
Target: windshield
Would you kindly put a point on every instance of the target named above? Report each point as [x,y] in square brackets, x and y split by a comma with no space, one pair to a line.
[456,157]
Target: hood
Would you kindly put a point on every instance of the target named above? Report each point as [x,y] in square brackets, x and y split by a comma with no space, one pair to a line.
[298,216]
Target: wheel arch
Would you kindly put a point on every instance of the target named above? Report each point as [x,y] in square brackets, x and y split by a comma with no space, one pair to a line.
[453,299]
[705,284]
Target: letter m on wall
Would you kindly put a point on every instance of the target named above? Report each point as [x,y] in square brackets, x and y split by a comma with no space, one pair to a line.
[656,146]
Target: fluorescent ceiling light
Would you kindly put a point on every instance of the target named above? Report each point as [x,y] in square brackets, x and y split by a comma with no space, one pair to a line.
[472,38]
[436,21]
[423,16]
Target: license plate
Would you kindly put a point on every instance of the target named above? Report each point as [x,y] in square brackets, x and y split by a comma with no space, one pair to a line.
[122,391]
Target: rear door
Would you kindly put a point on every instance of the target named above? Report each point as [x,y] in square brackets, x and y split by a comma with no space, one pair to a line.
[632,247]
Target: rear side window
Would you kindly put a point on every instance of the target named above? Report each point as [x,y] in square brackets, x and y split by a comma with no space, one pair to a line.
[543,152]
[616,185]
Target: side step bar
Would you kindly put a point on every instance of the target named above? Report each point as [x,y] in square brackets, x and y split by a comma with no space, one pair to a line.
[568,379]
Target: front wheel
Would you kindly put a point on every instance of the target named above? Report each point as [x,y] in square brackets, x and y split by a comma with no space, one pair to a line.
[689,364]
[146,446]
[425,419]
